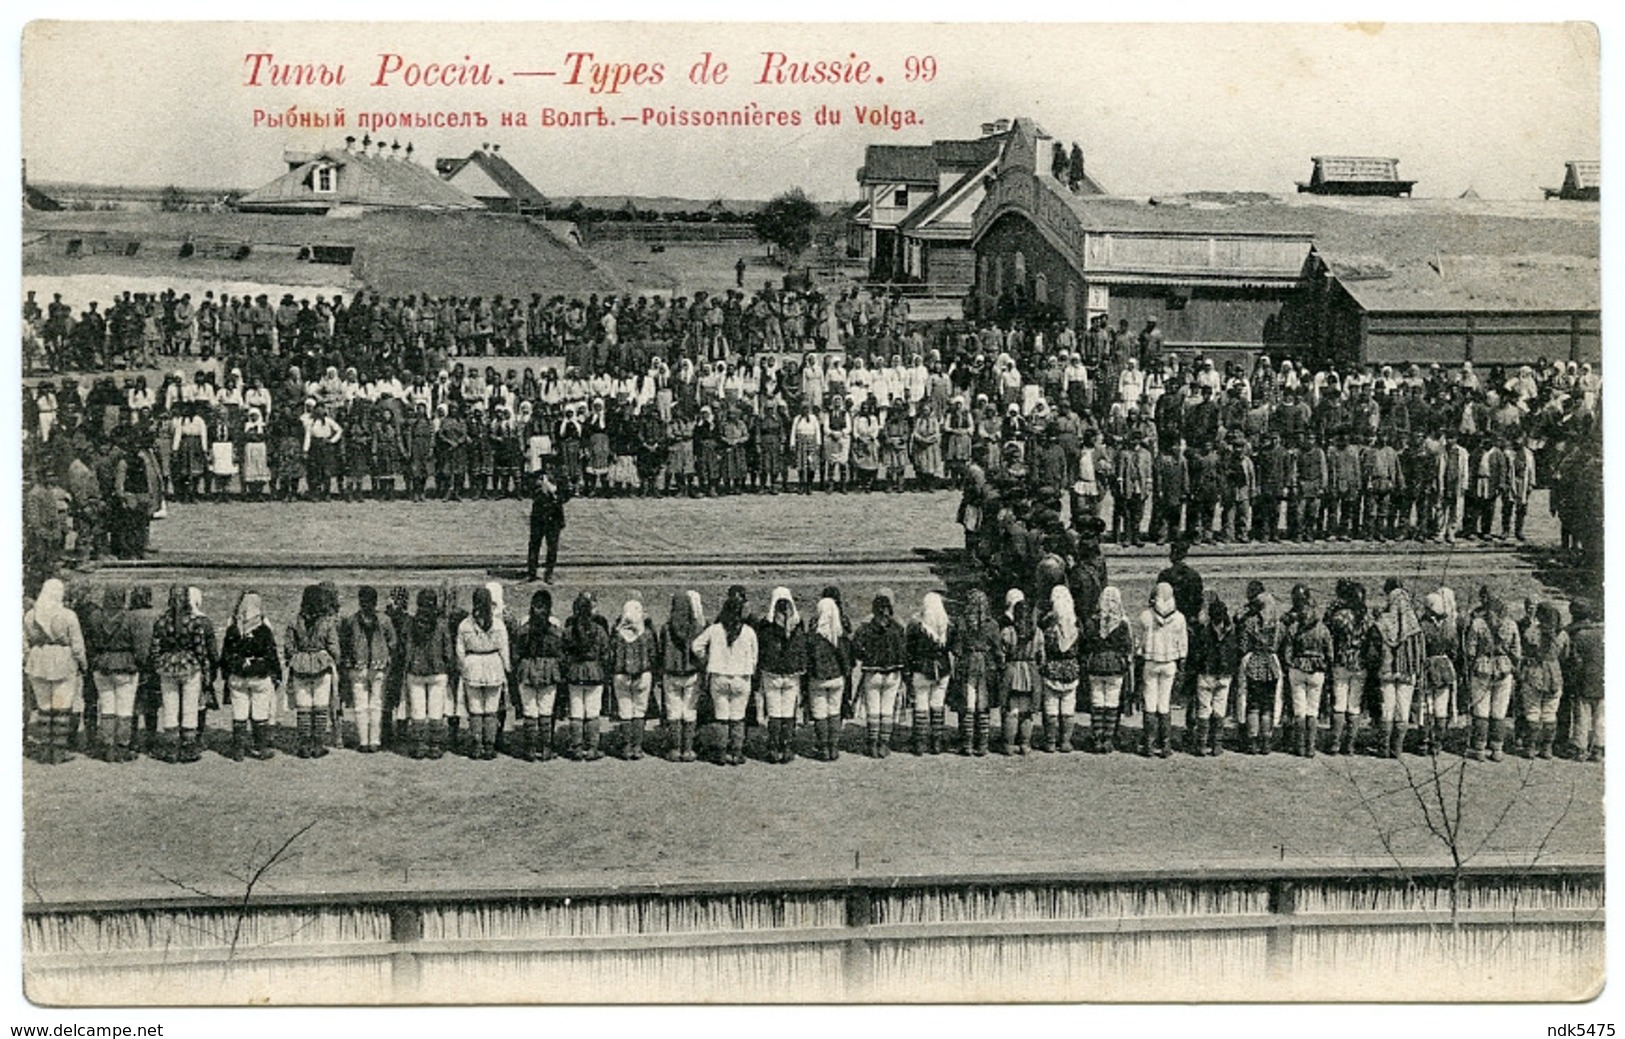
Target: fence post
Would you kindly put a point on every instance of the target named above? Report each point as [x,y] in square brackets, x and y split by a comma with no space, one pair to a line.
[857,960]
[1284,904]
[405,973]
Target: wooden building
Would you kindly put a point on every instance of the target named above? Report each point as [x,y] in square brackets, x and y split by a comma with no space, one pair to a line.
[1582,182]
[1355,175]
[492,179]
[370,176]
[1345,279]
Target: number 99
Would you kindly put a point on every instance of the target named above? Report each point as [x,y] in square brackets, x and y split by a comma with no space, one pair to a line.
[919,69]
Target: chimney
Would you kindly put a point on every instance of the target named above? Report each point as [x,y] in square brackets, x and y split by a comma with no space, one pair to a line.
[1001,126]
[395,150]
[495,148]
[485,146]
[408,151]
[366,142]
[349,143]
[989,129]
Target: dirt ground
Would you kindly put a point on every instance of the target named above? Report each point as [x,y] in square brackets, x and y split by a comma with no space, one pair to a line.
[151,830]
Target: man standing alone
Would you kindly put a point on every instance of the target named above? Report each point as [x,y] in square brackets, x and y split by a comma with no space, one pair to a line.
[546,522]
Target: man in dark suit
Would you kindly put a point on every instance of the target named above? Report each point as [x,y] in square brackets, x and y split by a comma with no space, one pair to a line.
[546,523]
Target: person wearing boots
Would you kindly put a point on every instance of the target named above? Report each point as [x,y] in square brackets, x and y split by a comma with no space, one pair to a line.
[110,644]
[252,664]
[546,523]
[1402,654]
[1260,667]
[312,647]
[426,647]
[679,670]
[1215,657]
[978,659]
[1108,654]
[729,649]
[1306,648]
[1583,682]
[1350,630]
[538,650]
[1540,677]
[183,652]
[1441,644]
[1022,646]
[483,663]
[635,650]
[586,662]
[368,645]
[781,641]
[1059,671]
[881,649]
[1163,648]
[829,667]
[929,642]
[55,663]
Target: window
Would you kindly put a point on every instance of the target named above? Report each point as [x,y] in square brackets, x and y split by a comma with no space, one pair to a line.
[324,179]
[1041,289]
[1021,268]
[899,198]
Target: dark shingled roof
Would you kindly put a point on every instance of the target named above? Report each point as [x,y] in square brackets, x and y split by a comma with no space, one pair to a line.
[498,169]
[903,163]
[960,155]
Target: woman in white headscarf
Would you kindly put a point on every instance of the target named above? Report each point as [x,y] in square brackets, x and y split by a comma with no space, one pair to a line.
[54,662]
[634,652]
[1062,649]
[781,660]
[829,666]
[1109,657]
[930,666]
[1163,649]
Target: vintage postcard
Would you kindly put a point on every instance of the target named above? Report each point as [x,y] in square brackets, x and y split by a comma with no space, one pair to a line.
[542,513]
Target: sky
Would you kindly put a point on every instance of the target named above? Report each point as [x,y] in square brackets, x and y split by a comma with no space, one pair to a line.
[1157,108]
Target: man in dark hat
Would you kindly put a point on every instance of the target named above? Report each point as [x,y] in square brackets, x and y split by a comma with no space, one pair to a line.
[546,523]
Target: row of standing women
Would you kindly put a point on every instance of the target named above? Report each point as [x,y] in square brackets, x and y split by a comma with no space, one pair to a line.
[437,677]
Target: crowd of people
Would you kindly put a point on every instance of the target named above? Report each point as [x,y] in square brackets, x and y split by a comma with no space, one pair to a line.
[118,672]
[1038,423]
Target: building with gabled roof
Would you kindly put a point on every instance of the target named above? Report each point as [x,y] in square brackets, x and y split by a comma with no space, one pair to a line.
[1323,278]
[492,179]
[1582,182]
[356,179]
[912,221]
[1355,175]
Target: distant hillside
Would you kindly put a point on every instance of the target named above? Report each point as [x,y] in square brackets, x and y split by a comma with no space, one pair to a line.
[394,253]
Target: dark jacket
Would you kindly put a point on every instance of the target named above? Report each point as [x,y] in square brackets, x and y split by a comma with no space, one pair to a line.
[881,645]
[925,656]
[779,652]
[250,656]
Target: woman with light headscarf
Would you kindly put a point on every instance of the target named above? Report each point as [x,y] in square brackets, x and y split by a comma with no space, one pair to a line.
[1062,649]
[930,666]
[1022,647]
[978,656]
[54,662]
[680,673]
[1163,649]
[252,665]
[782,661]
[184,656]
[1403,653]
[633,658]
[829,665]
[1108,654]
